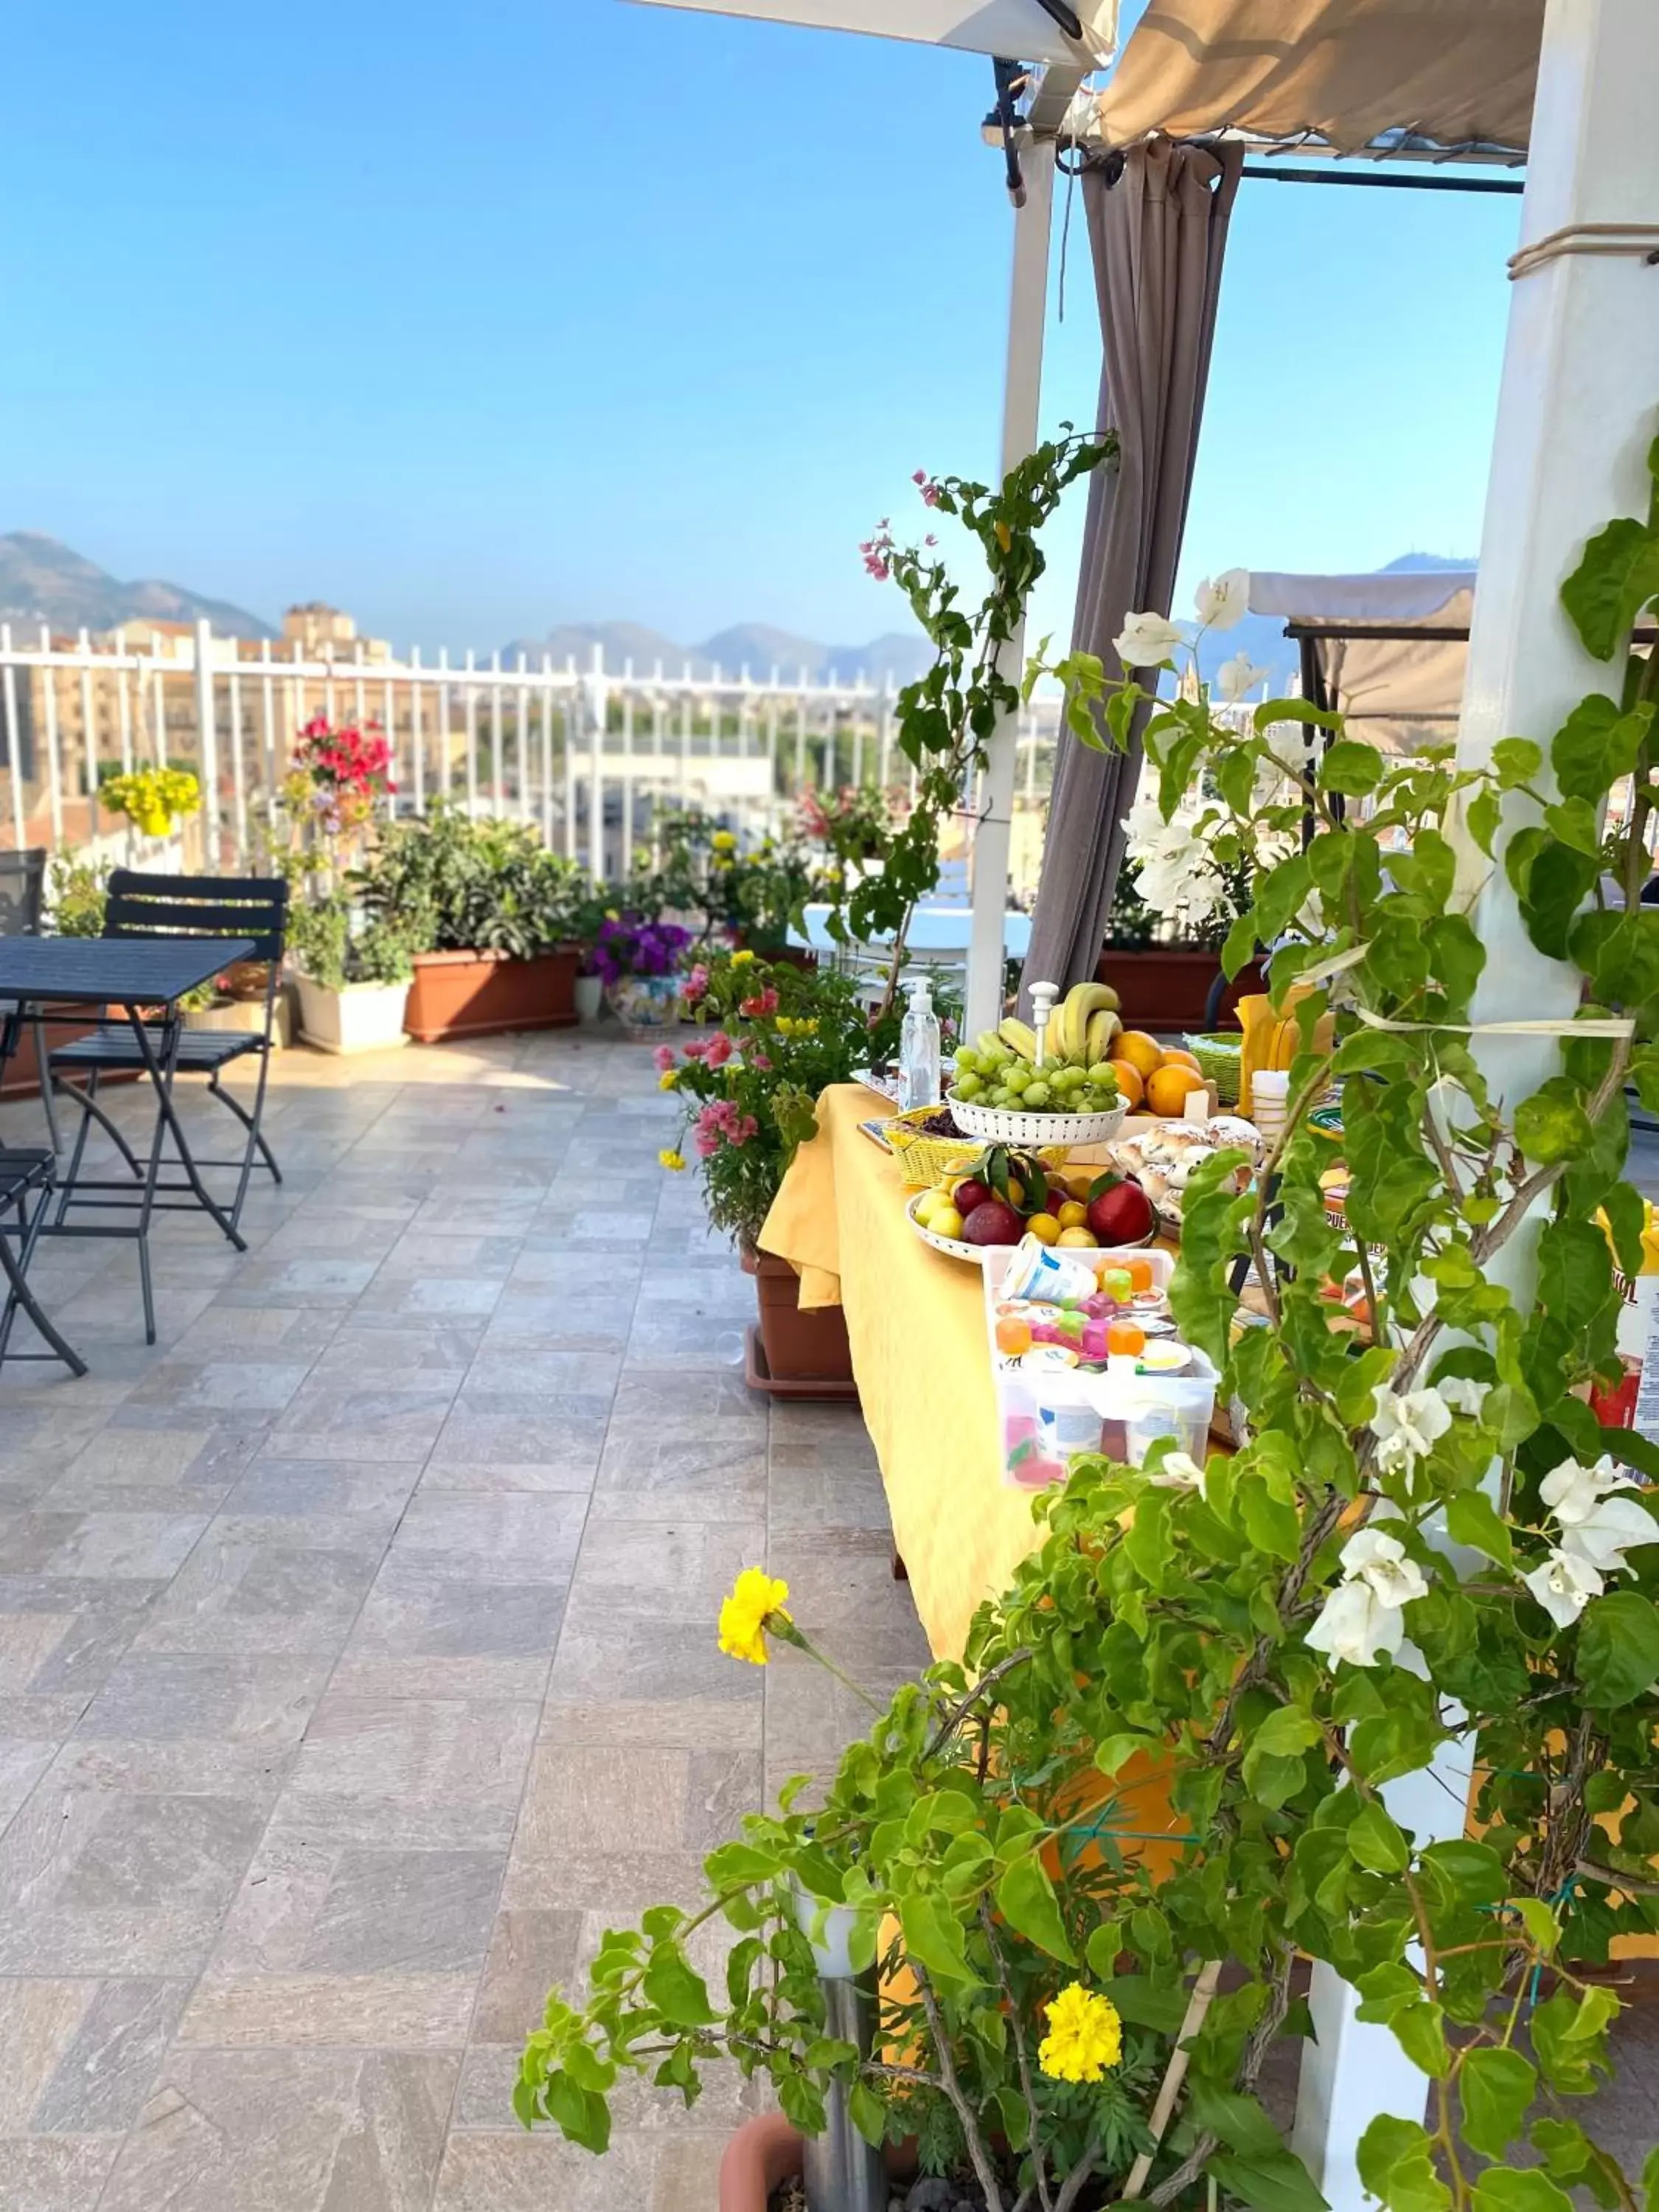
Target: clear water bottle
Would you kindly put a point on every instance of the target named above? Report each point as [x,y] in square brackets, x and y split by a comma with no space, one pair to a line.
[918,1072]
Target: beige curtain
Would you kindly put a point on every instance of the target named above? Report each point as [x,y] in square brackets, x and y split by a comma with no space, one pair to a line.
[1157,229]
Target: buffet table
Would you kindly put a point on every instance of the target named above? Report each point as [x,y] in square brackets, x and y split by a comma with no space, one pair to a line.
[915,1320]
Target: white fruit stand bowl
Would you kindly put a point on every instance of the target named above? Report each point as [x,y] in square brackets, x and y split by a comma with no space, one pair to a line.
[1002,1125]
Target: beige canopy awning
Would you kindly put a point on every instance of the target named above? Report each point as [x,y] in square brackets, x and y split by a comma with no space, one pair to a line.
[1346,72]
[1389,650]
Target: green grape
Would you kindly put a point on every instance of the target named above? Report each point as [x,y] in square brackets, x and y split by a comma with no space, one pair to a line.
[1102,1075]
[1018,1076]
[967,1060]
[1035,1096]
[968,1086]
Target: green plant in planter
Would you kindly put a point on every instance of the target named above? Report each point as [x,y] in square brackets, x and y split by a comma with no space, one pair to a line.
[1425,1549]
[322,940]
[452,883]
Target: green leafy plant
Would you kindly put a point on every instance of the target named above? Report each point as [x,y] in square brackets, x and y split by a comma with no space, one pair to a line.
[451,883]
[77,894]
[335,946]
[1163,1771]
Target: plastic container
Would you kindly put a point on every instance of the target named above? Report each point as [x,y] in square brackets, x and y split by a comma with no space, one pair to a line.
[1269,1101]
[919,1050]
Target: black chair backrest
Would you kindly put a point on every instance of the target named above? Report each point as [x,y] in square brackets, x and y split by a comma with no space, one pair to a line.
[254,907]
[22,891]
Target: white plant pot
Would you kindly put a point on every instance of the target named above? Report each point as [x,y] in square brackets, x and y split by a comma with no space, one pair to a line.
[362,1018]
[589,997]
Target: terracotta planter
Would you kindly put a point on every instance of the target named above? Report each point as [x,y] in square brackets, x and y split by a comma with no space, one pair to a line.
[1166,987]
[804,1355]
[457,995]
[20,1077]
[763,2152]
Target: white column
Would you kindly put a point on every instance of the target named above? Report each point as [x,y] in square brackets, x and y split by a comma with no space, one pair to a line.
[207,738]
[598,708]
[1575,418]
[1022,395]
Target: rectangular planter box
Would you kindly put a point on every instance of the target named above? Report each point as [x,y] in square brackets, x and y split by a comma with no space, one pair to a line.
[1166,987]
[807,1354]
[20,1077]
[457,995]
[246,1018]
[362,1018]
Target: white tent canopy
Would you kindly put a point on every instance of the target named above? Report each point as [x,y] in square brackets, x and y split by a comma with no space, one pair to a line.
[1389,650]
[1345,72]
[1022,29]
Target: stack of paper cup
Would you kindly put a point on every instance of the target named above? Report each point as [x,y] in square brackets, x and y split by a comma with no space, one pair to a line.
[1269,1101]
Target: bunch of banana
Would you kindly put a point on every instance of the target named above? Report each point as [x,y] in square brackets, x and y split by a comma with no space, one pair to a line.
[1081,1028]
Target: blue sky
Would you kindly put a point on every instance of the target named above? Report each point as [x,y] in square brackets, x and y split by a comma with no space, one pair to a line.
[475,319]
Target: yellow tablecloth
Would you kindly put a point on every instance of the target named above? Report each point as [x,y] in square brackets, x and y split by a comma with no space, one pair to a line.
[915,1321]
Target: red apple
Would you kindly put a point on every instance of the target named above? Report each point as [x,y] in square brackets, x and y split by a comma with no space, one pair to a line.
[992,1222]
[1121,1213]
[971,1193]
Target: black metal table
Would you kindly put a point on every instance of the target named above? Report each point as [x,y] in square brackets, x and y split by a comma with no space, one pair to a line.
[135,974]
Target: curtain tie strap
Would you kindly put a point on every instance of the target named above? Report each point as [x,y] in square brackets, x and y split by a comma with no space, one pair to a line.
[1636,238]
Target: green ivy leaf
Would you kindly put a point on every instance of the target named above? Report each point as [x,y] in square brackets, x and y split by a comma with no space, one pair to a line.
[1420,2031]
[867,2112]
[1552,1126]
[1026,1900]
[579,2114]
[1508,2188]
[1618,1648]
[1352,767]
[1473,1519]
[1396,2165]
[933,1936]
[672,1984]
[1377,1842]
[1617,577]
[1518,761]
[1146,2003]
[1280,2183]
[1497,2087]
[1594,747]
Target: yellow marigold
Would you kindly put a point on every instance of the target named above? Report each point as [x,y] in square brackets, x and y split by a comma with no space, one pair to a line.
[1085,2038]
[741,959]
[674,1162]
[611,914]
[724,841]
[669,1080]
[757,1598]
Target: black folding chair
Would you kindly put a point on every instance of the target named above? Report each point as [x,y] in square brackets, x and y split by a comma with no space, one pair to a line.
[23,908]
[26,1178]
[250,907]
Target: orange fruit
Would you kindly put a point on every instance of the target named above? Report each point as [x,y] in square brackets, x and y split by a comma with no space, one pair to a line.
[1142,1052]
[1167,1089]
[1178,1057]
[1131,1085]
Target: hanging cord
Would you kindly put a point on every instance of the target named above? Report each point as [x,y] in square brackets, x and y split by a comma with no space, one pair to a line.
[1071,170]
[1637,238]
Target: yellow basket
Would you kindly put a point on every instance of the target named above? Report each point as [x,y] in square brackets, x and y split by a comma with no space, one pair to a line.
[926,1160]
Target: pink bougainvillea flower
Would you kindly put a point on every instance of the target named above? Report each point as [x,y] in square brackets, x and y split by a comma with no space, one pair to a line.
[719,1050]
[663,1056]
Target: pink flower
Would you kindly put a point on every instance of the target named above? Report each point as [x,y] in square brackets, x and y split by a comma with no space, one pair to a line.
[663,1056]
[758,1060]
[930,494]
[719,1049]
[920,477]
[740,1133]
[697,1048]
[762,1004]
[696,983]
[876,568]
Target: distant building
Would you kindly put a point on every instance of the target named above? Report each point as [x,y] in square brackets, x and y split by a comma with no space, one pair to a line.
[322,632]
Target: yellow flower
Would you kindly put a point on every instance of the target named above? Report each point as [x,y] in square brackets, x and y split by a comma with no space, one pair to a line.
[669,1080]
[611,914]
[757,1598]
[1085,2038]
[724,841]
[741,959]
[674,1162]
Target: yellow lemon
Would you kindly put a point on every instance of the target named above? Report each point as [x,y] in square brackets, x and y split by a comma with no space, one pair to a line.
[1079,1237]
[1044,1228]
[1016,1190]
[945,1221]
[1074,1214]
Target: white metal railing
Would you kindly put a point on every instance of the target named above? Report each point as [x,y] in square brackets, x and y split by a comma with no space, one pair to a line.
[583,752]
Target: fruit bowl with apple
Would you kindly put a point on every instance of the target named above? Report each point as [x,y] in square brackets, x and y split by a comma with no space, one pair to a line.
[1007,1195]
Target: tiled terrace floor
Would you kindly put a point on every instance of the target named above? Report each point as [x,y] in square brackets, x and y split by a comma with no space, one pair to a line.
[356,1646]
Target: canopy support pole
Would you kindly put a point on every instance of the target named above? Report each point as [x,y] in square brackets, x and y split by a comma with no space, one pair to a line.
[1022,397]
[1574,418]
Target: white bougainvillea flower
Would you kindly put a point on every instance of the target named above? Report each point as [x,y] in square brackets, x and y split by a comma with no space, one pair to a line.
[1145,640]
[1407,1424]
[1564,1586]
[1597,1525]
[1463,1394]
[1221,600]
[1355,1624]
[1379,1560]
[1178,1470]
[1237,676]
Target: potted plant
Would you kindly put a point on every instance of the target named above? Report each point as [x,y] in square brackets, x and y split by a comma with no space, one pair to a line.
[332,798]
[1083,1864]
[770,1038]
[488,913]
[638,961]
[588,911]
[352,981]
[75,898]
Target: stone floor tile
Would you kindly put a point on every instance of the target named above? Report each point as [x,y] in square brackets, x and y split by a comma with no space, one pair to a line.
[387,2011]
[237,1697]
[397,1418]
[247,1592]
[659,1470]
[530,1950]
[513,1538]
[414,1752]
[536,2172]
[55,2173]
[39,2022]
[104,2077]
[431,1603]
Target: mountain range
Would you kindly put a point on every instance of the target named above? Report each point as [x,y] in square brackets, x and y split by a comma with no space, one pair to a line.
[42,580]
[757,646]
